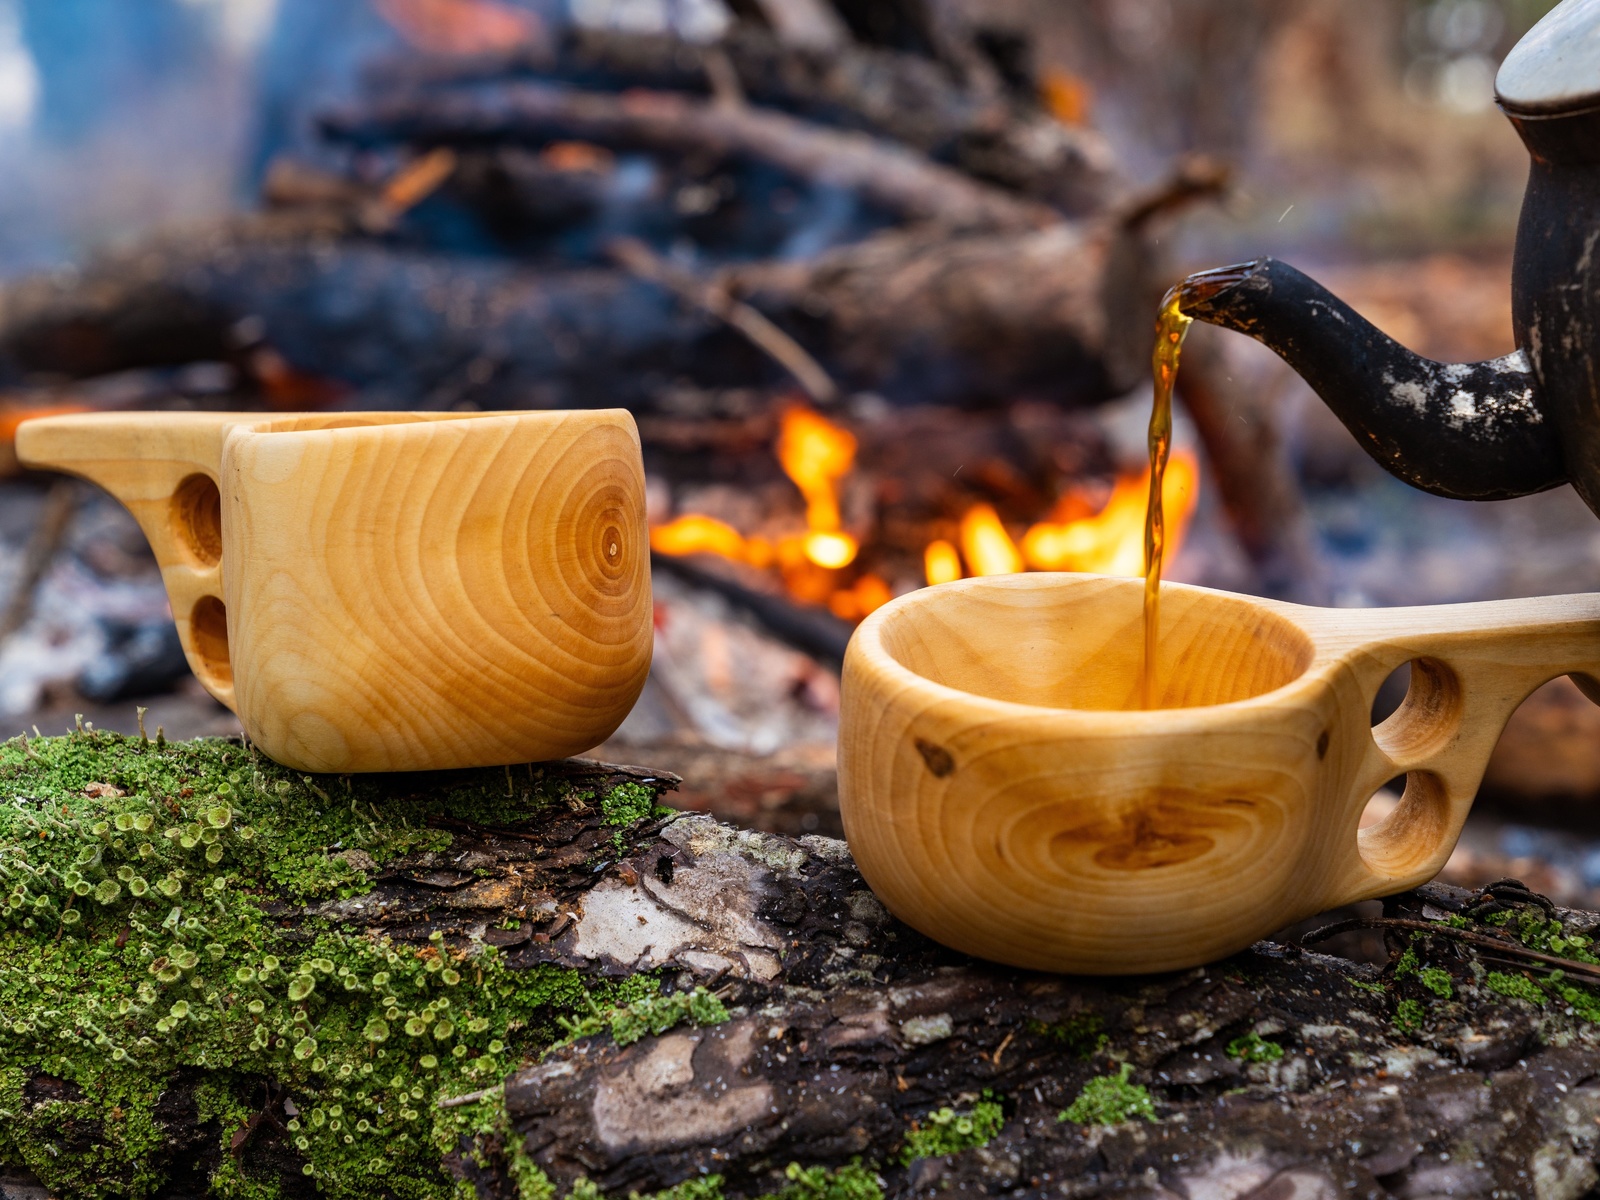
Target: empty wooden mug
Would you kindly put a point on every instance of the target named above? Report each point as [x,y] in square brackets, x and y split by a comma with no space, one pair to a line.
[391,591]
[1003,793]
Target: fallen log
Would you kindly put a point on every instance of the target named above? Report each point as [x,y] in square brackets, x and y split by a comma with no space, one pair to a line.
[908,98]
[680,1008]
[888,175]
[1061,313]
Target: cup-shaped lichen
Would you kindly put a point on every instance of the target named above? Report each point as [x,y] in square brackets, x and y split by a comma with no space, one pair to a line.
[178,930]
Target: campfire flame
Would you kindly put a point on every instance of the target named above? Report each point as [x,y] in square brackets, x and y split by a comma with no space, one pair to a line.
[817,454]
[1074,538]
[1111,542]
[986,545]
[461,26]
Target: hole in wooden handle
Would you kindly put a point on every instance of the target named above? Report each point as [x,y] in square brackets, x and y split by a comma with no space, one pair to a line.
[1408,839]
[1427,719]
[208,631]
[195,514]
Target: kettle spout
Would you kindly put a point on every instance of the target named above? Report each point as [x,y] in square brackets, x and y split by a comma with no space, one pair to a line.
[1470,431]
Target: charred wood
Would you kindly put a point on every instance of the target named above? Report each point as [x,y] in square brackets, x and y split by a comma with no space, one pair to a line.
[900,96]
[1060,313]
[811,630]
[921,316]
[885,174]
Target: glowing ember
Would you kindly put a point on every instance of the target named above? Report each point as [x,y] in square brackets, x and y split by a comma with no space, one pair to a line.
[816,564]
[986,545]
[1111,542]
[815,455]
[460,26]
[831,550]
[941,563]
[868,594]
[695,534]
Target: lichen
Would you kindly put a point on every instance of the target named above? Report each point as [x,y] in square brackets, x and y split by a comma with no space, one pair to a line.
[850,1182]
[1408,1015]
[1437,981]
[651,1014]
[1110,1100]
[950,1131]
[158,924]
[1253,1048]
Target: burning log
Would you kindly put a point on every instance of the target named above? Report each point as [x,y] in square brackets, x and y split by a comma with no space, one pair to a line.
[916,315]
[886,174]
[907,98]
[646,1003]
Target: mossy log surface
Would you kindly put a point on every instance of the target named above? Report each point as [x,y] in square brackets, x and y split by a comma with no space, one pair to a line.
[536,983]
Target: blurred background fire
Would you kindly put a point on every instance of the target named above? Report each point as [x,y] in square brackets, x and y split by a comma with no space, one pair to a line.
[876,277]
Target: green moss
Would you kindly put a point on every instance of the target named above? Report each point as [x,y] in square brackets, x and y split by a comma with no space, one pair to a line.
[1547,934]
[627,804]
[1376,989]
[707,1187]
[1407,965]
[1110,1100]
[164,933]
[950,1131]
[1518,987]
[851,1182]
[1081,1034]
[1437,981]
[647,1014]
[1253,1048]
[1408,1015]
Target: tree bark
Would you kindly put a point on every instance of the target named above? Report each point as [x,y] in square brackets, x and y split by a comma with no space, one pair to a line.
[1277,1073]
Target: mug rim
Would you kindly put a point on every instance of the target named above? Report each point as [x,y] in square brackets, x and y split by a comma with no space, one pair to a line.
[868,652]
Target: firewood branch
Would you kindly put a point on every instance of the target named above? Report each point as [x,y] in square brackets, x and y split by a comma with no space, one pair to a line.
[886,174]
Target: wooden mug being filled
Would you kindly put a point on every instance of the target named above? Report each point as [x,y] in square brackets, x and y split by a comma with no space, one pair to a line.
[1004,792]
[391,591]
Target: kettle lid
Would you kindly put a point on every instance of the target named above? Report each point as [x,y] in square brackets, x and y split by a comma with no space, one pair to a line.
[1555,68]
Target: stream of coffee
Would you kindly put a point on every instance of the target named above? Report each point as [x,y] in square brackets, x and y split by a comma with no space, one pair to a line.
[1171,328]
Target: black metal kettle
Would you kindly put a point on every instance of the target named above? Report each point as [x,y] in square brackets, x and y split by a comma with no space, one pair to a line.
[1487,430]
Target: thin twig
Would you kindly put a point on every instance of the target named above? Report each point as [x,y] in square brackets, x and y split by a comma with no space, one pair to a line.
[1571,966]
[59,505]
[471,1097]
[633,255]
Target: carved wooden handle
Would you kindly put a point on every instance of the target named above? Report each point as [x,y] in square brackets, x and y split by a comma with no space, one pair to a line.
[1471,666]
[164,467]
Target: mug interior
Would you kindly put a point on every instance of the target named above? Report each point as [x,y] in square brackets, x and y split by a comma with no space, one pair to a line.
[1077,642]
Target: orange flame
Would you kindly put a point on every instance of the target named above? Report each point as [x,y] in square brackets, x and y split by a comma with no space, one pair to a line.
[1111,542]
[695,534]
[941,563]
[460,26]
[986,545]
[816,454]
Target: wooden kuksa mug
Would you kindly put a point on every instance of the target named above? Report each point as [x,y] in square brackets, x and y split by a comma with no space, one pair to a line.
[1003,793]
[391,591]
